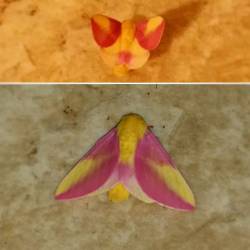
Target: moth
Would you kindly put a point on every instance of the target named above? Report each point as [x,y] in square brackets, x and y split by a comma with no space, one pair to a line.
[126,45]
[129,159]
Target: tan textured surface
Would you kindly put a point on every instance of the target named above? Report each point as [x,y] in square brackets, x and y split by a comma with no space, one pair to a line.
[45,130]
[50,40]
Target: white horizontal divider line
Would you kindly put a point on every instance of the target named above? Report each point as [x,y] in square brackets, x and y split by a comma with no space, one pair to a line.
[125,83]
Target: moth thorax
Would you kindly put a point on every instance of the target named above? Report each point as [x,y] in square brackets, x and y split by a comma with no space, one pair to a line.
[128,143]
[127,34]
[130,130]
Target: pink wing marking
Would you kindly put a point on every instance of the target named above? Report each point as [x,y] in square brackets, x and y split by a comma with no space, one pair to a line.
[150,150]
[104,156]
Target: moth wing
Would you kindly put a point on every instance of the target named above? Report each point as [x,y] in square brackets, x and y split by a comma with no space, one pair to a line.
[159,178]
[139,55]
[134,188]
[95,172]
[105,30]
[110,55]
[149,32]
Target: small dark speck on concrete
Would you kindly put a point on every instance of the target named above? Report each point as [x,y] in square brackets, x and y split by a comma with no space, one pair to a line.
[33,151]
[27,197]
[67,110]
[34,175]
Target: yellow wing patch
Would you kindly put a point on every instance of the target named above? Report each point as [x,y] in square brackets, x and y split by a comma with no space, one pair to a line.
[174,181]
[79,172]
[103,22]
[153,23]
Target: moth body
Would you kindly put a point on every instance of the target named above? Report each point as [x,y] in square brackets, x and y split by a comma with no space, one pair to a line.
[126,45]
[129,159]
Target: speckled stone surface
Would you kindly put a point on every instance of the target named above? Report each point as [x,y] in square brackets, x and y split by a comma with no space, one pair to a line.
[51,40]
[44,130]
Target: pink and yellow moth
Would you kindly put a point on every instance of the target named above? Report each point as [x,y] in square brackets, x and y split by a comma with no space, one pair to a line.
[128,159]
[126,45]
